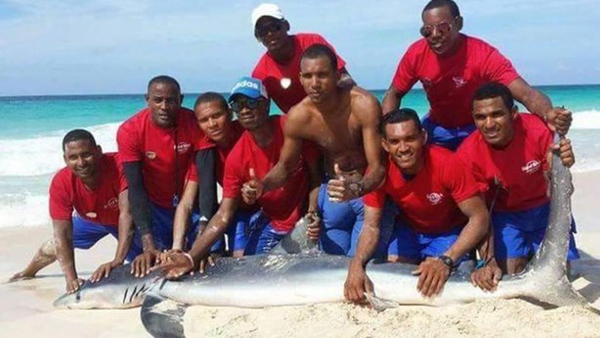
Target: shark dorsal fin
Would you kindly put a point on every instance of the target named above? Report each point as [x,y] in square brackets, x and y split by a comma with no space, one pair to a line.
[296,241]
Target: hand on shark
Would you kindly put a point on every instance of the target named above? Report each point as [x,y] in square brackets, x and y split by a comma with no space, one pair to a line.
[433,274]
[559,120]
[142,264]
[488,277]
[313,230]
[104,270]
[357,284]
[73,284]
[176,263]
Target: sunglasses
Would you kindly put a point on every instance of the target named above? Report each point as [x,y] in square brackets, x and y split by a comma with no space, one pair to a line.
[263,30]
[249,103]
[442,27]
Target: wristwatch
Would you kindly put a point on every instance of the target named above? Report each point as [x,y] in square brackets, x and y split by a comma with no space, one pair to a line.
[447,260]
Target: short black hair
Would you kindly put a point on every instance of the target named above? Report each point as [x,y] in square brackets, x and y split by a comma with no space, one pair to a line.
[320,50]
[78,135]
[492,90]
[164,79]
[454,11]
[400,115]
[211,97]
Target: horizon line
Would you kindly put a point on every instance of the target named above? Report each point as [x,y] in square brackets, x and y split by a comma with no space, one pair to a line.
[197,93]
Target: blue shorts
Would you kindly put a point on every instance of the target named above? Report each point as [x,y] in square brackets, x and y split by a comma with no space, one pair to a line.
[519,234]
[238,232]
[449,138]
[343,222]
[262,237]
[87,233]
[409,244]
[162,228]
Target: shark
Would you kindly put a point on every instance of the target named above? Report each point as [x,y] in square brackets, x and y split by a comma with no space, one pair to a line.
[296,273]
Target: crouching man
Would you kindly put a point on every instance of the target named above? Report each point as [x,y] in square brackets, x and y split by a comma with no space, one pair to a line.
[442,218]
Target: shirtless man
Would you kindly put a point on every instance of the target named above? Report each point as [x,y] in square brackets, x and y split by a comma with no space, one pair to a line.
[343,123]
[92,184]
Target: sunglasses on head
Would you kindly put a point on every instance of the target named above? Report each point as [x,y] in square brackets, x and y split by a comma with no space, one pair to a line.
[273,27]
[442,27]
[249,103]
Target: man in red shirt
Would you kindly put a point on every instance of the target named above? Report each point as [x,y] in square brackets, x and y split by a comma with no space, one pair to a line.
[279,67]
[157,146]
[215,120]
[92,185]
[442,216]
[451,66]
[253,155]
[508,155]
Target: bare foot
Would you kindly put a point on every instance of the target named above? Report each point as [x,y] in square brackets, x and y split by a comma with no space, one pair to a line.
[20,276]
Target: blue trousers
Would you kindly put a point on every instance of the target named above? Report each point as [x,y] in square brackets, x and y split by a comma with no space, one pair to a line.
[87,233]
[449,138]
[343,223]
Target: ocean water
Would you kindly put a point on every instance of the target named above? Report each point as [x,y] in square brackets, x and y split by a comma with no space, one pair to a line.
[33,127]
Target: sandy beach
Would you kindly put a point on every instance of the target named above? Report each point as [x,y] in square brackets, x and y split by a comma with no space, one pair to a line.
[26,308]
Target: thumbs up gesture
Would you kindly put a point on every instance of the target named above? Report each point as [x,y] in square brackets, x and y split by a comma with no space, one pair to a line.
[253,189]
[342,188]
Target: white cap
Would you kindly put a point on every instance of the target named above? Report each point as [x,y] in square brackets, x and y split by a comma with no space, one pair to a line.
[266,9]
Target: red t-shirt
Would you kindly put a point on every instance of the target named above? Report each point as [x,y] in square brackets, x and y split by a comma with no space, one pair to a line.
[519,167]
[450,82]
[236,132]
[283,80]
[283,206]
[429,200]
[139,139]
[101,205]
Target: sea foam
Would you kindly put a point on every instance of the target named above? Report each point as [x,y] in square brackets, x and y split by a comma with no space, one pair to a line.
[587,119]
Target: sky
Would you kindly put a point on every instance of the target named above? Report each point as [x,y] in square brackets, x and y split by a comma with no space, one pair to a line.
[69,47]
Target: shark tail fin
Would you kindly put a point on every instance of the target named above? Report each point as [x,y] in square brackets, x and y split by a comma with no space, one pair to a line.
[546,274]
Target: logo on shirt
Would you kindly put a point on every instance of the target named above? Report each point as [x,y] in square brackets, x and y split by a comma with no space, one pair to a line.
[459,81]
[150,155]
[112,203]
[183,147]
[435,198]
[285,83]
[91,215]
[531,167]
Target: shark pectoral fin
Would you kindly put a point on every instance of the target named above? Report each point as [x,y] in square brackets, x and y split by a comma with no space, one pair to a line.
[379,304]
[162,317]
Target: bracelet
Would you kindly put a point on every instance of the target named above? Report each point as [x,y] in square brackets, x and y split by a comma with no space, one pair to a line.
[190,258]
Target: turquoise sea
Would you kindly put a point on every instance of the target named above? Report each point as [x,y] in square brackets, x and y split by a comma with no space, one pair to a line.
[30,140]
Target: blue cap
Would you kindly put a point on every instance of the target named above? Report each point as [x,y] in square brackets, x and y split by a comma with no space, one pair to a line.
[250,87]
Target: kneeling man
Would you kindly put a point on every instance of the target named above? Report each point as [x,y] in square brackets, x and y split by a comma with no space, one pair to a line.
[443,215]
[508,154]
[93,185]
